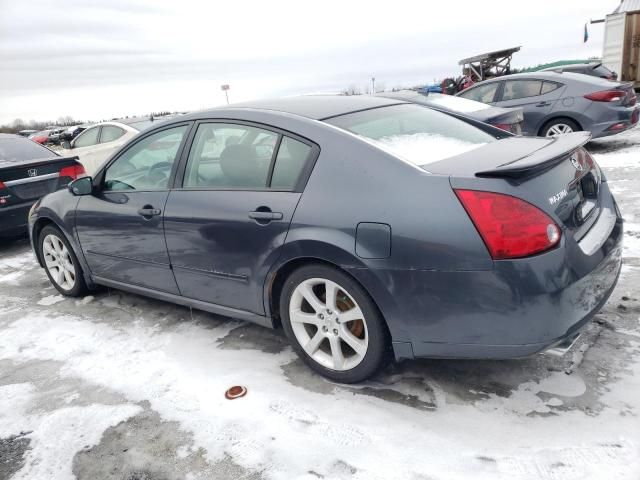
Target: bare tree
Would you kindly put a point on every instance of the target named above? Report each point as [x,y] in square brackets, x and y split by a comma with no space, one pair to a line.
[351,90]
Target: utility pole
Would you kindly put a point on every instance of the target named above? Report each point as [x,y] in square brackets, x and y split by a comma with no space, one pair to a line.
[225,89]
[373,84]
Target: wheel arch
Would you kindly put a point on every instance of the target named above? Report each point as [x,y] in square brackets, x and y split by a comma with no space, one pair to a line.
[39,224]
[44,220]
[561,116]
[346,263]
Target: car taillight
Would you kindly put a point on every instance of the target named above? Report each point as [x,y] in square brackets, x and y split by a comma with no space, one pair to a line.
[2,185]
[607,96]
[510,227]
[74,171]
[502,126]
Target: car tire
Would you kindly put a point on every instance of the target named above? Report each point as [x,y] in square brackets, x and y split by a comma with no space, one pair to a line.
[559,126]
[345,340]
[60,262]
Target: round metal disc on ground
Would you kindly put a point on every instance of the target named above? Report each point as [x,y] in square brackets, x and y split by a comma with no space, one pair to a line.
[234,392]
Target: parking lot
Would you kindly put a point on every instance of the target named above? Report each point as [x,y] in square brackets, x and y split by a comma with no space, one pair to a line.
[117,386]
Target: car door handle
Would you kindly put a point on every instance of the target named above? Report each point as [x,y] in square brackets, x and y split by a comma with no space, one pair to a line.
[265,216]
[148,211]
[543,104]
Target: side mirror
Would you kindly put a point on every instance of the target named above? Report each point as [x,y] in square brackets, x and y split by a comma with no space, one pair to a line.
[66,145]
[81,186]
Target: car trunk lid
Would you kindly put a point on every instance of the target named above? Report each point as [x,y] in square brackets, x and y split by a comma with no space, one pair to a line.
[31,179]
[557,175]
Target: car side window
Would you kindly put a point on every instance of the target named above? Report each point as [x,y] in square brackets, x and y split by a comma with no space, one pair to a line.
[147,164]
[515,89]
[548,87]
[110,133]
[290,162]
[230,156]
[87,138]
[482,93]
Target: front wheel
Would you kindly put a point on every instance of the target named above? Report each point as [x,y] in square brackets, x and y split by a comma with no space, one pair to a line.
[61,263]
[333,324]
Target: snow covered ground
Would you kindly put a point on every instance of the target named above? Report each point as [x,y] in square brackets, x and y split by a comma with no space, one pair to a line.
[116,386]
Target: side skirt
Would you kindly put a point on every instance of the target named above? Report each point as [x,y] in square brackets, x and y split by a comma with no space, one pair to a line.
[188,302]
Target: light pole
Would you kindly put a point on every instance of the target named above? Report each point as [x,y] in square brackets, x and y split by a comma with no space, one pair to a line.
[225,89]
[373,84]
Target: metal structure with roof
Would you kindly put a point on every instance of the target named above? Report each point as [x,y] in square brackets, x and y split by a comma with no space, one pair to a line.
[488,65]
[627,6]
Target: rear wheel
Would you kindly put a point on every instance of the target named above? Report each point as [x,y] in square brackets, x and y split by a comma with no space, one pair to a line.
[61,263]
[332,324]
[559,126]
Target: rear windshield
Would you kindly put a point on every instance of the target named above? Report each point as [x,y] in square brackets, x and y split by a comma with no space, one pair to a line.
[602,70]
[141,125]
[416,134]
[457,104]
[19,149]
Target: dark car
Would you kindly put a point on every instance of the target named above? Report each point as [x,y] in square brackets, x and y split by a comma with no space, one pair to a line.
[559,103]
[27,172]
[508,119]
[360,225]
[72,132]
[595,69]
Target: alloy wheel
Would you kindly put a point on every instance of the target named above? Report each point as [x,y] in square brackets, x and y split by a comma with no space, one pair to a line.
[59,262]
[559,129]
[328,324]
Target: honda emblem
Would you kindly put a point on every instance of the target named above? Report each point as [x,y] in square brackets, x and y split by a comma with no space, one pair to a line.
[32,172]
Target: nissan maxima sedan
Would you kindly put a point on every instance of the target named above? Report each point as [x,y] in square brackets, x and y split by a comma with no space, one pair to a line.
[364,227]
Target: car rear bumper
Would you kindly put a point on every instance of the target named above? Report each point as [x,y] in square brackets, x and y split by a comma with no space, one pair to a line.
[620,120]
[519,308]
[13,219]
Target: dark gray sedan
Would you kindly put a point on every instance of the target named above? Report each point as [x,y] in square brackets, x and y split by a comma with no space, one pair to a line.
[558,103]
[361,226]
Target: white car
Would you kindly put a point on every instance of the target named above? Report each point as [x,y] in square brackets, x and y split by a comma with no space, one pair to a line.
[98,142]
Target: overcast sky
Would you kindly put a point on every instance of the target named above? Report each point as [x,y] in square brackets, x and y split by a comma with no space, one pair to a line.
[96,59]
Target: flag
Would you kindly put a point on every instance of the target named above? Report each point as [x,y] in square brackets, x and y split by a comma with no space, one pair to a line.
[586,34]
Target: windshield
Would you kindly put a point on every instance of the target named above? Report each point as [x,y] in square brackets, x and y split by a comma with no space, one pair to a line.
[19,149]
[416,134]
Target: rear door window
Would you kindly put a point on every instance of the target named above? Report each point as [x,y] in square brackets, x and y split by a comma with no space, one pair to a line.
[515,89]
[230,156]
[482,93]
[548,87]
[110,133]
[290,163]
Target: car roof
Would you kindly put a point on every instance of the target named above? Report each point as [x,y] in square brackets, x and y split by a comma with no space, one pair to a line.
[572,65]
[551,76]
[316,107]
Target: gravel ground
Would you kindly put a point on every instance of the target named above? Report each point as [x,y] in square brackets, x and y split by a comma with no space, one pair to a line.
[117,386]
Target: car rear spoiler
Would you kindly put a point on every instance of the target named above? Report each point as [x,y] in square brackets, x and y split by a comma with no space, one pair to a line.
[541,159]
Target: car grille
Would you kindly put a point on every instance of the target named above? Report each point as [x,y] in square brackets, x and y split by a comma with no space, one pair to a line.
[34,190]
